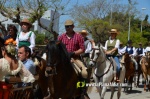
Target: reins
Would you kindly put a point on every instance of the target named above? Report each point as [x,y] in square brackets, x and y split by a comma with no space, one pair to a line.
[111,62]
[105,72]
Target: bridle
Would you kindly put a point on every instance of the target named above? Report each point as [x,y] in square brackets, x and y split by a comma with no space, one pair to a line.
[93,54]
[51,66]
[92,59]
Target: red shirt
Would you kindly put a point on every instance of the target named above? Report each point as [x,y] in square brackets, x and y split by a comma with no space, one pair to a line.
[73,44]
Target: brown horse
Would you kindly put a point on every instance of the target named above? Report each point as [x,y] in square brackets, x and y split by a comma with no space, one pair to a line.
[41,85]
[62,76]
[145,67]
[129,65]
[138,58]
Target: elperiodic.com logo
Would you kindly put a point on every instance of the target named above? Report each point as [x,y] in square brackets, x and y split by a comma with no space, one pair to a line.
[83,84]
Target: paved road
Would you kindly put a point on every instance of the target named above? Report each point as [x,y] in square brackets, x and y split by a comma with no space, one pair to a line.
[136,93]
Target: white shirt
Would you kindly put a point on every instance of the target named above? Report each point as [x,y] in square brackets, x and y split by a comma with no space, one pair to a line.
[140,49]
[25,38]
[147,49]
[89,48]
[121,50]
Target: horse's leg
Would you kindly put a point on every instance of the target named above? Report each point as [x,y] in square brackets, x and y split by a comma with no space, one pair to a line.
[103,92]
[136,79]
[149,83]
[119,92]
[125,88]
[112,92]
[99,89]
[131,81]
[139,73]
[145,77]
[121,78]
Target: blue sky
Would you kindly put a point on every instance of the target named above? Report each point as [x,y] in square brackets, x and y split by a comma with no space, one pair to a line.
[141,4]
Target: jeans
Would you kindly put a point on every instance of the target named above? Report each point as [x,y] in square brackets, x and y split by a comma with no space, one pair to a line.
[117,63]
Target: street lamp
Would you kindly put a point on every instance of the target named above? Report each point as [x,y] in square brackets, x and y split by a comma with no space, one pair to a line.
[142,19]
[111,13]
[129,19]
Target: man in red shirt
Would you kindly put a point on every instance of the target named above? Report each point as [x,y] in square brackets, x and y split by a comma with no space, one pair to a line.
[74,43]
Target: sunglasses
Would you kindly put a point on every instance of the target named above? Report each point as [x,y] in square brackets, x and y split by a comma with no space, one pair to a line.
[68,26]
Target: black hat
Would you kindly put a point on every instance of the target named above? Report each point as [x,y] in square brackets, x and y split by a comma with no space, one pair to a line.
[129,42]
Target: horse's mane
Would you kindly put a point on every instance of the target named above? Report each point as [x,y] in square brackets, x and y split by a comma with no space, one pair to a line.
[60,49]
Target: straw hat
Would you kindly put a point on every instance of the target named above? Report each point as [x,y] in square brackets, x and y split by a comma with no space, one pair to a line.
[69,22]
[83,32]
[26,21]
[121,43]
[114,31]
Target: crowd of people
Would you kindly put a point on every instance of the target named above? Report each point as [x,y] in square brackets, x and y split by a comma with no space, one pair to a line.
[16,52]
[78,46]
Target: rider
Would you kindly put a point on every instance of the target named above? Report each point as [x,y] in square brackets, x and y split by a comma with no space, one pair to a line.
[111,49]
[74,43]
[140,50]
[146,52]
[121,49]
[87,44]
[132,52]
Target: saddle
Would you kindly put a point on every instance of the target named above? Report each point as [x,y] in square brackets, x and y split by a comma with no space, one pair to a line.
[79,68]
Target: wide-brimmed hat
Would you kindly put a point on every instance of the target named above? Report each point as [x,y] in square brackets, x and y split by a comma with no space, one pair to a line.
[114,31]
[121,43]
[129,42]
[26,21]
[69,22]
[83,32]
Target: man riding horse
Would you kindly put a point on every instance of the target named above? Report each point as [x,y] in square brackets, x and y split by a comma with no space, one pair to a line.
[132,52]
[88,45]
[74,43]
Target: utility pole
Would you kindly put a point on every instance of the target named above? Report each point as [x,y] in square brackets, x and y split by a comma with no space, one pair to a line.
[142,19]
[129,19]
[111,13]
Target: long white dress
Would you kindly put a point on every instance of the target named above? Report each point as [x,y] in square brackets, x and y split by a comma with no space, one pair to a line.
[24,74]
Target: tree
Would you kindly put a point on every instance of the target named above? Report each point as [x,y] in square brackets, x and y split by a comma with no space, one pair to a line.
[95,17]
[34,9]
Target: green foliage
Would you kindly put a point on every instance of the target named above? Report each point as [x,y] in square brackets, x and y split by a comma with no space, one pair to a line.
[134,36]
[40,37]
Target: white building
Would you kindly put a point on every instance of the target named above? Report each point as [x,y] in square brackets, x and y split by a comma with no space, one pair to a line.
[45,20]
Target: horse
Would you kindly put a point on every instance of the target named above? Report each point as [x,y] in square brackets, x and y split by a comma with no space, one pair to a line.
[145,67]
[40,86]
[138,59]
[130,70]
[62,78]
[104,71]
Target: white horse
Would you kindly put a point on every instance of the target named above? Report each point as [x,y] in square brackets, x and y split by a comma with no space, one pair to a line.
[104,71]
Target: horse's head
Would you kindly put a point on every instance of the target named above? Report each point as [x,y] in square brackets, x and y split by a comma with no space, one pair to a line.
[147,57]
[55,55]
[127,57]
[94,54]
